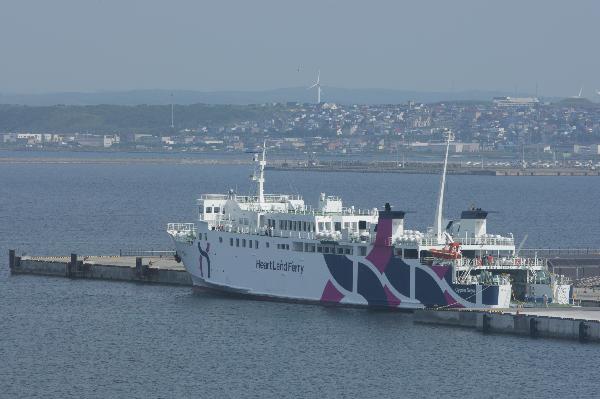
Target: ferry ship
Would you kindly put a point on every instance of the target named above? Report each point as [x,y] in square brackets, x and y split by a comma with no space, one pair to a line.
[276,247]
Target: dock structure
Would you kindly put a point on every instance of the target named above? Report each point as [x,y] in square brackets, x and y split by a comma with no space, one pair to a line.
[581,324]
[151,269]
[578,323]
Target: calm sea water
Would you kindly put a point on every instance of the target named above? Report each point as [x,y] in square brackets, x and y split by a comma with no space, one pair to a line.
[61,338]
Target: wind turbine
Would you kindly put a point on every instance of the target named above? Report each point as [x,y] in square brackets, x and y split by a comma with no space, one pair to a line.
[318,86]
[580,92]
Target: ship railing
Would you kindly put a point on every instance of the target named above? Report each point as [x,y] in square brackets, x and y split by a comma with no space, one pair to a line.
[253,198]
[185,229]
[500,263]
[303,235]
[557,252]
[467,278]
[315,212]
[429,241]
[151,253]
[486,240]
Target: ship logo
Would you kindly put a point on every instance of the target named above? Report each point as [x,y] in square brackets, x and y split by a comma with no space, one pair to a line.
[204,254]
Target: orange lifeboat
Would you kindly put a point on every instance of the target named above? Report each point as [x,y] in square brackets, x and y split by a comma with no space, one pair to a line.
[450,251]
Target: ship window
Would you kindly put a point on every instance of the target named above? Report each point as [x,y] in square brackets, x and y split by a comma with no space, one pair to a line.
[216,209]
[267,244]
[319,249]
[411,254]
[205,237]
[231,242]
[348,251]
[209,209]
[362,251]
[340,251]
[220,239]
[321,226]
[237,242]
[244,242]
[201,209]
[326,250]
[338,226]
[223,210]
[298,246]
[281,225]
[304,226]
[249,243]
[362,224]
[256,244]
[327,225]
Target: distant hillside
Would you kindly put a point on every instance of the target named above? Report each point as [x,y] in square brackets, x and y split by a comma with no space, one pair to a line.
[123,119]
[298,94]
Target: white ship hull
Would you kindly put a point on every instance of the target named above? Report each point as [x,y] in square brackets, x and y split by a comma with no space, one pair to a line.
[378,279]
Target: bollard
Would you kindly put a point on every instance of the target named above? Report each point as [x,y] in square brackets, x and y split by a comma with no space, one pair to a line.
[583,331]
[486,323]
[11,259]
[72,266]
[138,267]
[533,329]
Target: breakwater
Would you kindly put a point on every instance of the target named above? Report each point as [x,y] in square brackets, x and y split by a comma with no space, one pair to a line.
[566,323]
[157,270]
[429,168]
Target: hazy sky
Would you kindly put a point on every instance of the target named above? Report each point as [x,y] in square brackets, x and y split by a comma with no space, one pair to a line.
[92,45]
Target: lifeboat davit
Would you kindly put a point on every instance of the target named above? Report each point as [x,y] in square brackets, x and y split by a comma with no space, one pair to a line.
[450,251]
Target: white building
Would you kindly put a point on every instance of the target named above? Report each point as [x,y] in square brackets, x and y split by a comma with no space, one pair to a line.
[515,101]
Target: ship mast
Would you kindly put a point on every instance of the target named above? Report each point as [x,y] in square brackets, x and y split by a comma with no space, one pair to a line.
[440,204]
[260,179]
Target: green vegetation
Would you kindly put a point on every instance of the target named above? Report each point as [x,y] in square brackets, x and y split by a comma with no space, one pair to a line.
[125,119]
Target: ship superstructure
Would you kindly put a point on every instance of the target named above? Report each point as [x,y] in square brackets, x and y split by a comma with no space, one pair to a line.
[274,246]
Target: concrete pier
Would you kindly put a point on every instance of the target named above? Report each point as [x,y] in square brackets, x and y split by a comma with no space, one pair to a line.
[158,270]
[566,323]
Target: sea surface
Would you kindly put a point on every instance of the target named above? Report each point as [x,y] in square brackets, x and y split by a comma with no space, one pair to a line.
[92,339]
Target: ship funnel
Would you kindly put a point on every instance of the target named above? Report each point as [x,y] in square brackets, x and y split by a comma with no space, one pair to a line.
[390,226]
[473,222]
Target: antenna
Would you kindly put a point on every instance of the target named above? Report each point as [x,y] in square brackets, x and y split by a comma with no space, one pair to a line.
[172,120]
[318,86]
[440,204]
[580,92]
[521,245]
